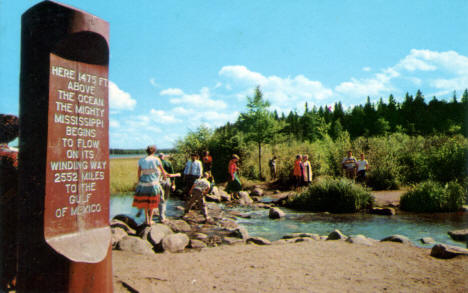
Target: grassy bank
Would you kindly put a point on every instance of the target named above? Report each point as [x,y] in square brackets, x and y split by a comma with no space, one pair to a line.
[123,174]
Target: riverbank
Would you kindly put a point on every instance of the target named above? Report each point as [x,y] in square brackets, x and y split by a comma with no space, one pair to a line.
[315,266]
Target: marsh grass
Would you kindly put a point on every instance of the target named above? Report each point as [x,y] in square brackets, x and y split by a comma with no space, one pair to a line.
[123,175]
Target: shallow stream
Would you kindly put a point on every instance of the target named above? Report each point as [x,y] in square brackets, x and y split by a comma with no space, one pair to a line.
[413,226]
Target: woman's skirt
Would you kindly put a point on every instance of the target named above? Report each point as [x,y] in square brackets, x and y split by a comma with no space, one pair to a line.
[234,185]
[147,195]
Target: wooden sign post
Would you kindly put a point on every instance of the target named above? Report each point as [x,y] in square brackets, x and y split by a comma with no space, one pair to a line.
[64,234]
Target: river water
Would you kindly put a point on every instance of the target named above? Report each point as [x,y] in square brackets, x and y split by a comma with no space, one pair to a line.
[413,226]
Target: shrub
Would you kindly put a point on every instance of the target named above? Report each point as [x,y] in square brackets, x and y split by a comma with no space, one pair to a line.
[431,196]
[332,195]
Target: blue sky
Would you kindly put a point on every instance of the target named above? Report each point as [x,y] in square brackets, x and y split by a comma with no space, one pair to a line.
[176,65]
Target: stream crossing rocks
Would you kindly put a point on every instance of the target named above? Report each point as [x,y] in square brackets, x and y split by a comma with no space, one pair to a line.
[175,242]
[245,199]
[383,211]
[397,238]
[276,213]
[444,251]
[136,245]
[336,235]
[361,239]
[459,235]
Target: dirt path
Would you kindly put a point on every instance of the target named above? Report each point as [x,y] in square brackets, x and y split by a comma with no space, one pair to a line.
[317,266]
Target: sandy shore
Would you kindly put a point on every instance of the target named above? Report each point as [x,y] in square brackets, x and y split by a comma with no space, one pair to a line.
[316,266]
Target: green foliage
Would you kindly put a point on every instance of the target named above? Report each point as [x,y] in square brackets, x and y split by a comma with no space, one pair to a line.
[123,175]
[431,196]
[332,195]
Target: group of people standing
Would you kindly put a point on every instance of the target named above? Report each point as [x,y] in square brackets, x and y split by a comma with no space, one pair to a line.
[302,171]
[355,169]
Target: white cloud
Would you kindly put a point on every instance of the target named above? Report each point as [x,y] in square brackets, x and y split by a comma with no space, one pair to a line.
[367,69]
[163,117]
[118,99]
[240,73]
[201,100]
[171,92]
[281,92]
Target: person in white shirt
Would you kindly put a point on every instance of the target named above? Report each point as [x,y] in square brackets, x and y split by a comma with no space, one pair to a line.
[362,167]
[193,170]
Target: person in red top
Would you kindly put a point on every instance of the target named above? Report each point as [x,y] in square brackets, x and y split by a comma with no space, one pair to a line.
[234,184]
[298,170]
[9,128]
[207,162]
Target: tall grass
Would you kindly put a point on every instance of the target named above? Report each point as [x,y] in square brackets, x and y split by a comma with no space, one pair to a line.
[123,174]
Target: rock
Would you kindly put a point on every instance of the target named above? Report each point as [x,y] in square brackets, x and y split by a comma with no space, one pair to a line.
[278,199]
[175,242]
[224,195]
[427,240]
[240,232]
[383,211]
[155,233]
[232,240]
[117,235]
[397,238]
[263,205]
[194,243]
[200,236]
[459,235]
[258,241]
[336,235]
[213,197]
[123,225]
[447,251]
[284,241]
[245,199]
[302,239]
[257,192]
[127,220]
[228,224]
[240,215]
[301,235]
[179,226]
[360,239]
[276,213]
[136,245]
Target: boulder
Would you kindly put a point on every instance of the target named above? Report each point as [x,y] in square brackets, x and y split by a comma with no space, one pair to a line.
[257,191]
[258,241]
[155,233]
[263,205]
[244,199]
[127,220]
[383,211]
[240,215]
[117,235]
[397,238]
[301,235]
[123,225]
[232,240]
[459,235]
[447,251]
[224,195]
[214,197]
[199,236]
[336,235]
[175,242]
[228,224]
[179,226]
[360,239]
[276,213]
[135,245]
[240,232]
[427,240]
[194,243]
